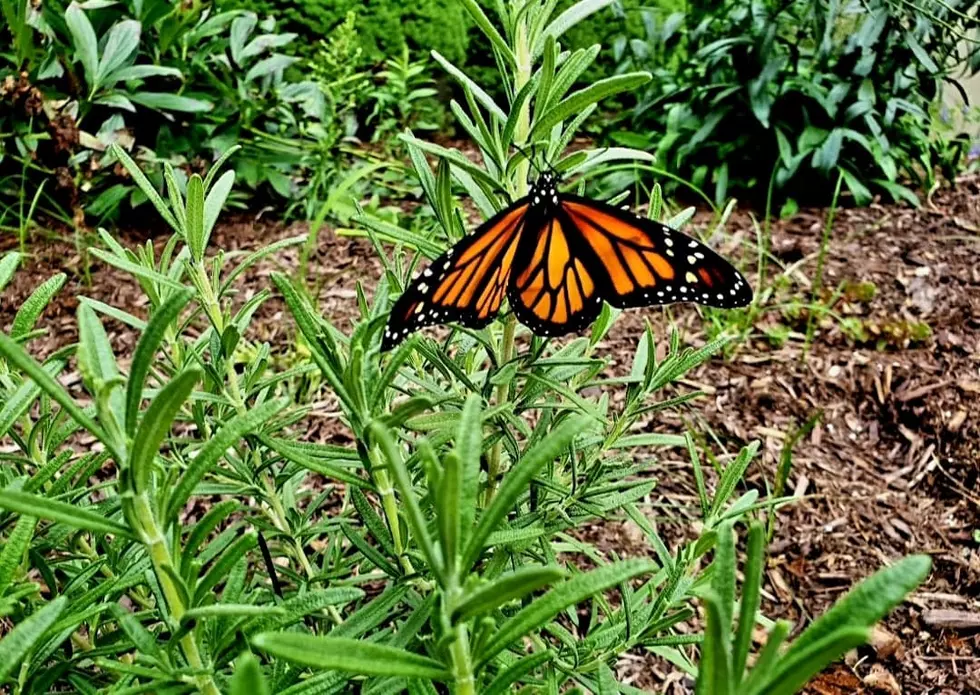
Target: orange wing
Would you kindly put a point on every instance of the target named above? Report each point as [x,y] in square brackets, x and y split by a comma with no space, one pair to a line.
[553,291]
[466,284]
[639,262]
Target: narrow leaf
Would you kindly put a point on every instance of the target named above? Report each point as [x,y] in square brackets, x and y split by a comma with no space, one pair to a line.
[156,425]
[353,656]
[148,344]
[14,549]
[209,455]
[31,309]
[542,610]
[516,483]
[506,588]
[77,517]
[194,219]
[868,602]
[18,642]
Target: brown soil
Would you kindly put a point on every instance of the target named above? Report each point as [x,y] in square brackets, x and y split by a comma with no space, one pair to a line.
[892,467]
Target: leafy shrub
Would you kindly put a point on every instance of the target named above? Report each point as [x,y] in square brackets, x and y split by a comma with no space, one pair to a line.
[799,90]
[205,546]
[385,27]
[175,85]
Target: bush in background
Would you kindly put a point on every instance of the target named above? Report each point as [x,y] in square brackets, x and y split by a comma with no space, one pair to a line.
[178,83]
[797,90]
[385,27]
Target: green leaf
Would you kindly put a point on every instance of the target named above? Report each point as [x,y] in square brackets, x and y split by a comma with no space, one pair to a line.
[920,53]
[209,455]
[120,43]
[607,681]
[507,587]
[350,655]
[15,354]
[794,670]
[14,550]
[578,101]
[315,464]
[502,683]
[194,219]
[516,483]
[751,598]
[403,482]
[489,30]
[144,640]
[114,313]
[567,19]
[52,510]
[156,425]
[248,678]
[31,309]
[542,610]
[481,96]
[19,641]
[141,72]
[136,269]
[148,344]
[170,102]
[762,669]
[98,364]
[145,186]
[723,576]
[17,403]
[224,564]
[899,192]
[868,602]
[715,671]
[8,266]
[268,66]
[448,510]
[217,196]
[862,195]
[731,476]
[469,448]
[233,610]
[85,43]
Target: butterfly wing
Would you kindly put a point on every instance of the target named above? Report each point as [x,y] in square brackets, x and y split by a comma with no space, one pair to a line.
[639,262]
[553,290]
[465,285]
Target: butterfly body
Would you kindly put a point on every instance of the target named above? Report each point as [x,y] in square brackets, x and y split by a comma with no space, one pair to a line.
[557,257]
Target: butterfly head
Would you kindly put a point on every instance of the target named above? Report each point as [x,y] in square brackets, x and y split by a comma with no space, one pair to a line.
[544,191]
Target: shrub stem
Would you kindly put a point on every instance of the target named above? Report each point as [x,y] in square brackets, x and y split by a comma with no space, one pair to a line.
[156,544]
[522,75]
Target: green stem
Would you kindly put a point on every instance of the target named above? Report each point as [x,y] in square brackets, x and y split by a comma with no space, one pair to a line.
[389,506]
[522,74]
[462,663]
[160,557]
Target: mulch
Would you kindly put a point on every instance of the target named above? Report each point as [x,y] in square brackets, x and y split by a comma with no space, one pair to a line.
[891,467]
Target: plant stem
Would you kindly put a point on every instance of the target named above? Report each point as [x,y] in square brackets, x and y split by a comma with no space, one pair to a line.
[522,74]
[160,557]
[462,663]
[389,505]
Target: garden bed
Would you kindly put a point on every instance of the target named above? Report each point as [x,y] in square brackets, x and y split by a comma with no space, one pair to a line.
[891,468]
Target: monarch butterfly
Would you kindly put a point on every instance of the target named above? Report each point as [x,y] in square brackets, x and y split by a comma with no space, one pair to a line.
[557,257]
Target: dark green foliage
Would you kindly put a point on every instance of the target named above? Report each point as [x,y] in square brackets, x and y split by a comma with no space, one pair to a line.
[176,84]
[805,87]
[385,26]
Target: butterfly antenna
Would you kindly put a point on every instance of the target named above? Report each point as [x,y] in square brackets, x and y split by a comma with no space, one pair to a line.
[528,157]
